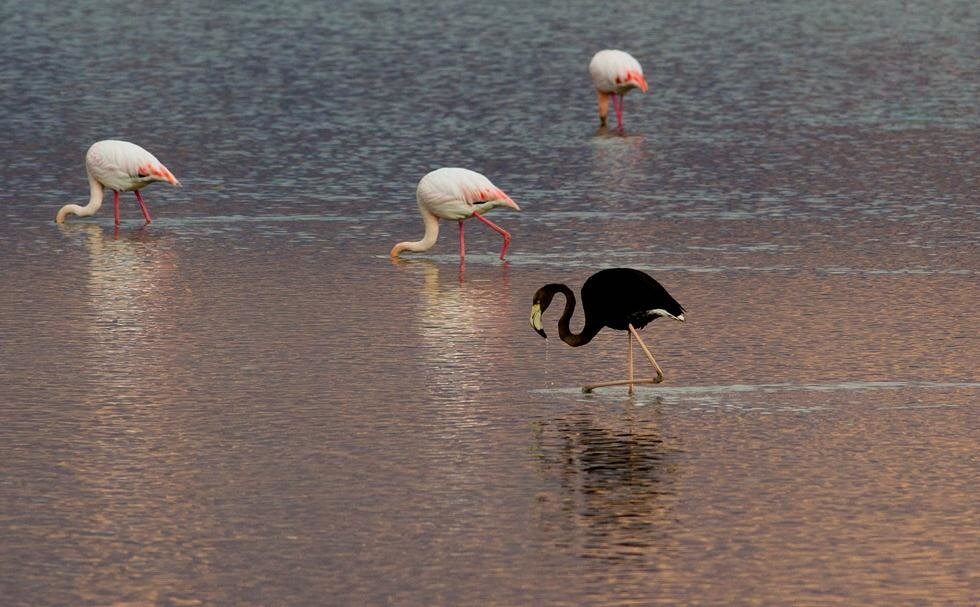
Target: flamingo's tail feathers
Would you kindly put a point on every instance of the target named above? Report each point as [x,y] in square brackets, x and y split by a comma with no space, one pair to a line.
[159,172]
[507,200]
[491,193]
[164,173]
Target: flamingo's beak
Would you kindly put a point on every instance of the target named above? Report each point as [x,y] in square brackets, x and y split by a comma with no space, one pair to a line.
[536,320]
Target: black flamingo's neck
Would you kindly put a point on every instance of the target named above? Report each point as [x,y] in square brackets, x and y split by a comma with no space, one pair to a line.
[591,327]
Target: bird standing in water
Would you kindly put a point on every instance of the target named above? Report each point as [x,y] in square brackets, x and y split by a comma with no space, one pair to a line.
[453,193]
[615,73]
[122,167]
[619,298]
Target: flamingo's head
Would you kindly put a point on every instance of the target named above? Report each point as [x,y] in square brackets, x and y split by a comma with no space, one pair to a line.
[542,299]
[536,312]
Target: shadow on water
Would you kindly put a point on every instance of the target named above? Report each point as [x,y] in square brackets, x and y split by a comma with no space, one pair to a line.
[454,319]
[131,318]
[607,132]
[616,156]
[616,477]
[124,461]
[433,267]
[129,277]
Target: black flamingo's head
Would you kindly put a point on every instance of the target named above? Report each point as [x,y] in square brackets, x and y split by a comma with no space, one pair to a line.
[542,299]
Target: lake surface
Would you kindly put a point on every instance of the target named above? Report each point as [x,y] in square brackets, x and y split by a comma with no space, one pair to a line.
[246,402]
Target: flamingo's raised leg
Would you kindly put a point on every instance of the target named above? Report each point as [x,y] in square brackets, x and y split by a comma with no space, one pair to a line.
[496,229]
[146,212]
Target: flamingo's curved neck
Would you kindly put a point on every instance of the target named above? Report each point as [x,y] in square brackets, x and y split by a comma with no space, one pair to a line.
[589,330]
[431,233]
[96,192]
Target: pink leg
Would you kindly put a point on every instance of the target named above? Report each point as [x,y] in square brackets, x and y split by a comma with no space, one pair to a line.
[115,204]
[139,198]
[618,106]
[462,245]
[496,229]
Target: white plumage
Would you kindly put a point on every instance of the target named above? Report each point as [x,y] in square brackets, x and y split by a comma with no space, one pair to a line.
[457,194]
[615,73]
[125,166]
[453,193]
[120,166]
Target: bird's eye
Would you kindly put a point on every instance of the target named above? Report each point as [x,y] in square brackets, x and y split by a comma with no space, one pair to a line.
[142,175]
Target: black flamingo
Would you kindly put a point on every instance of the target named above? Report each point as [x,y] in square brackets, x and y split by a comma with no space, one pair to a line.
[619,298]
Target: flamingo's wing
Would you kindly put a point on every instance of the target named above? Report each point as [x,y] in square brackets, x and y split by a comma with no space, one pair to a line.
[121,165]
[455,193]
[613,70]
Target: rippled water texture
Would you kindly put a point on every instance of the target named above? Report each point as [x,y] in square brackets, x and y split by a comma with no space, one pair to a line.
[248,403]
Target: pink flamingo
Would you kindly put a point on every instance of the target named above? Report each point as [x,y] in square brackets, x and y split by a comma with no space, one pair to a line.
[452,193]
[614,74]
[122,167]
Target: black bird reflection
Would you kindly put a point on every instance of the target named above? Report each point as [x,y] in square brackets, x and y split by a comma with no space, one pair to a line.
[615,485]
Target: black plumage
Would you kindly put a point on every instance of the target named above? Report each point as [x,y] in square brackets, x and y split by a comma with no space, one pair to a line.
[618,298]
[611,298]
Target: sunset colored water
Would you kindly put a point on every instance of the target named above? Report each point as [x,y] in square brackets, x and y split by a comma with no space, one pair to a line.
[247,402]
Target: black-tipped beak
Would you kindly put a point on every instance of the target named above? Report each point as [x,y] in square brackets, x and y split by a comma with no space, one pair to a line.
[536,321]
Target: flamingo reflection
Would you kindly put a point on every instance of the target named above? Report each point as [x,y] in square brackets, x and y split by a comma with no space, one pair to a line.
[617,485]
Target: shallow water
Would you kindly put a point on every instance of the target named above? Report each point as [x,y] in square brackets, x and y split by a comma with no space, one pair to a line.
[247,402]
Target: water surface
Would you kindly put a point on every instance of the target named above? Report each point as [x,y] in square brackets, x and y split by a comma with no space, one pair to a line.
[247,402]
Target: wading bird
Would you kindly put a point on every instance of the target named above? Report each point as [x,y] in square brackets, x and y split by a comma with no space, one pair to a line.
[615,73]
[620,298]
[451,193]
[122,167]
